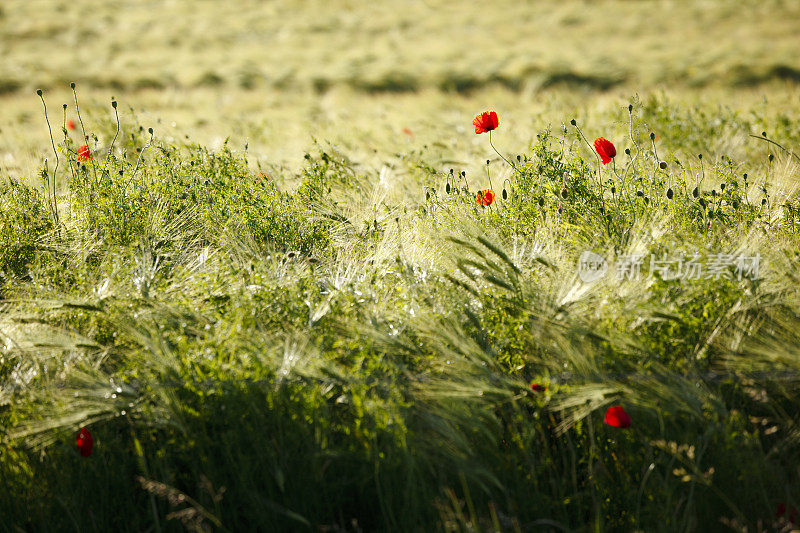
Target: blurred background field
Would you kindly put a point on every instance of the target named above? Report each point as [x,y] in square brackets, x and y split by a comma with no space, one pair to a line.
[380,78]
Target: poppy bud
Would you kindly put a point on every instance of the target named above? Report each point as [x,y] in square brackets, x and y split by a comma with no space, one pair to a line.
[646,200]
[487,161]
[703,202]
[39,92]
[560,209]
[630,108]
[72,85]
[699,156]
[613,190]
[573,122]
[713,192]
[771,157]
[150,131]
[662,165]
[563,193]
[505,194]
[120,172]
[541,202]
[745,176]
[669,193]
[427,195]
[722,186]
[312,260]
[114,104]
[64,106]
[652,136]
[639,193]
[447,188]
[696,192]
[519,158]
[627,151]
[763,201]
[763,133]
[451,171]
[463,173]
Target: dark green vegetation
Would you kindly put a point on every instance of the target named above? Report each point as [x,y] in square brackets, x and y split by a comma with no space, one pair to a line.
[347,353]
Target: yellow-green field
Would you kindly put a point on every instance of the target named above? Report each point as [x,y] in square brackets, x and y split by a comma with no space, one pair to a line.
[279,74]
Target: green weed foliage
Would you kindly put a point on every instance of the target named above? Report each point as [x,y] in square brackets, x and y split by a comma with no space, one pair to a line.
[332,351]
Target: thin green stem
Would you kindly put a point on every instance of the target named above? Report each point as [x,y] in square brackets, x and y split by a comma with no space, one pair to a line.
[501,155]
[55,169]
[776,144]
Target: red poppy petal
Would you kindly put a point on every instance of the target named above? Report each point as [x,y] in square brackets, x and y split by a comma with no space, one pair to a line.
[494,121]
[617,417]
[605,149]
[84,441]
[486,121]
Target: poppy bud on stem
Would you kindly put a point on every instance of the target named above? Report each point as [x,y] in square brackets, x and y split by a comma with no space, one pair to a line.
[505,193]
[54,203]
[116,116]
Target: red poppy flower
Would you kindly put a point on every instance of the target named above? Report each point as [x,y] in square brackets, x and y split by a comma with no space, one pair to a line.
[793,515]
[408,132]
[617,417]
[605,149]
[84,154]
[84,441]
[538,388]
[486,121]
[485,197]
[70,125]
